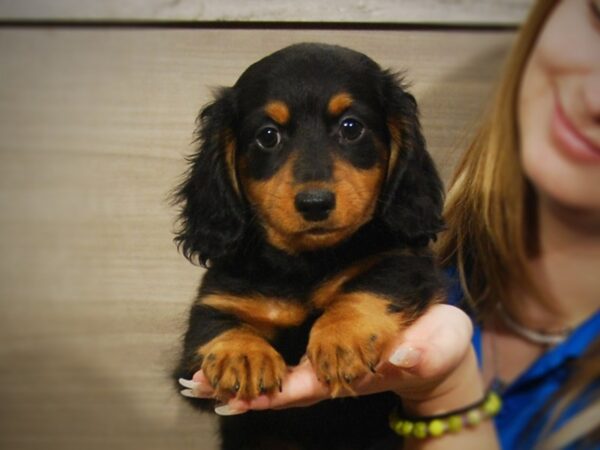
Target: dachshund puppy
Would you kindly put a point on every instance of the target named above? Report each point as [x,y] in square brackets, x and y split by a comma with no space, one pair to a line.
[311,200]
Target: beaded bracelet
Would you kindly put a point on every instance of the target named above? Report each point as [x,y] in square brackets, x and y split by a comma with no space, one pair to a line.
[453,421]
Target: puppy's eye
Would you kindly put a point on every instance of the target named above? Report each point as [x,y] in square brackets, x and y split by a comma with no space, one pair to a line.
[268,138]
[351,129]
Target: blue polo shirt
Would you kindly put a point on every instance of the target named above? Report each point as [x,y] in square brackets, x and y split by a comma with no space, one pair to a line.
[526,396]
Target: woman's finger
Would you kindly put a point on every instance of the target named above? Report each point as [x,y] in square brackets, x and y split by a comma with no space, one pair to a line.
[300,388]
[441,336]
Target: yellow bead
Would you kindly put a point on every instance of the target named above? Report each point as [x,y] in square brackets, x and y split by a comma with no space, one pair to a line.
[407,428]
[492,405]
[397,427]
[420,430]
[437,427]
[455,423]
[474,417]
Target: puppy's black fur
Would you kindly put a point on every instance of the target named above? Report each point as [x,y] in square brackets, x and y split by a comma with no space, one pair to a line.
[312,200]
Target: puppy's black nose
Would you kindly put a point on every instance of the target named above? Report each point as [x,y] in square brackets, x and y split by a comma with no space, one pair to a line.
[315,204]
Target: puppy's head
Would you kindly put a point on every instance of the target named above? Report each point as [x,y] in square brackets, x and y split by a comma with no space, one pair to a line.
[311,143]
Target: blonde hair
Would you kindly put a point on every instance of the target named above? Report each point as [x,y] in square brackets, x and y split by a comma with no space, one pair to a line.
[489,204]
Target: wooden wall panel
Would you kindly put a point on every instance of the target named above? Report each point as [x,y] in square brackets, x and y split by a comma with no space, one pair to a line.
[94,125]
[472,12]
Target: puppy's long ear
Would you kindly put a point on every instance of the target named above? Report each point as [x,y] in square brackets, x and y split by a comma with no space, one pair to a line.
[413,194]
[212,220]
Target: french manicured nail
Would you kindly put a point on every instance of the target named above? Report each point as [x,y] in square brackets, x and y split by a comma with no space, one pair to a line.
[227,410]
[188,393]
[188,383]
[405,357]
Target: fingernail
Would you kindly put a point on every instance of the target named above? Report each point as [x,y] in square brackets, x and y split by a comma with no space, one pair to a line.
[188,383]
[405,357]
[188,393]
[227,410]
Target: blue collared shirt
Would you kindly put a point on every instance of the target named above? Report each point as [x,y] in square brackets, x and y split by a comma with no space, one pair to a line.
[526,396]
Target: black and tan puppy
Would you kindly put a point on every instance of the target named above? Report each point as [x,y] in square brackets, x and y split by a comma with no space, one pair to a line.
[312,201]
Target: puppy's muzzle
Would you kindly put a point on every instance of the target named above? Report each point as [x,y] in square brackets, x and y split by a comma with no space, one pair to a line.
[315,205]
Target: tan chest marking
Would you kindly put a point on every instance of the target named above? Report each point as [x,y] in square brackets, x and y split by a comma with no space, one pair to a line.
[263,313]
[329,290]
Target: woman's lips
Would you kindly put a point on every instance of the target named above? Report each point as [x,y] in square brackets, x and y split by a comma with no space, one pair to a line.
[571,141]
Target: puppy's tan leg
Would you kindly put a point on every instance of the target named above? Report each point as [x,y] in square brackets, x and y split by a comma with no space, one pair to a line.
[240,363]
[347,341]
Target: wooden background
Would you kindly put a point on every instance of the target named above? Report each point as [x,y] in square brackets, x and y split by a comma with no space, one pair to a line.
[94,124]
[442,12]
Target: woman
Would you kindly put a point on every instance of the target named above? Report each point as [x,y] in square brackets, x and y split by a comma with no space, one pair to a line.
[523,238]
[524,219]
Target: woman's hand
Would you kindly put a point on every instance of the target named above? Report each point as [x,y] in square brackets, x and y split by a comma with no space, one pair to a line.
[431,366]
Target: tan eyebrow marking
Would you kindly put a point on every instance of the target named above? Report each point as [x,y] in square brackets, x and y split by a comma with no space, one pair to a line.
[278,111]
[339,103]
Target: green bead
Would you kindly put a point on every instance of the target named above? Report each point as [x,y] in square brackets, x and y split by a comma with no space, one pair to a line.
[455,423]
[437,427]
[407,427]
[420,430]
[492,405]
[474,417]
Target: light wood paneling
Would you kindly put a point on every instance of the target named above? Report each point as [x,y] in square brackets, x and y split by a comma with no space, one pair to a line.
[94,124]
[474,12]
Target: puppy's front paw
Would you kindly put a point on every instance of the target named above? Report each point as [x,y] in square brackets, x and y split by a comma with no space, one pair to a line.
[241,364]
[347,342]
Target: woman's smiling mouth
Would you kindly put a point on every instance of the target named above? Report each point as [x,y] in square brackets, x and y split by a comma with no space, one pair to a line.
[571,141]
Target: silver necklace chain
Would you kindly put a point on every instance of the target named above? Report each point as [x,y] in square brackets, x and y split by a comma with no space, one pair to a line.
[531,335]
[496,383]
